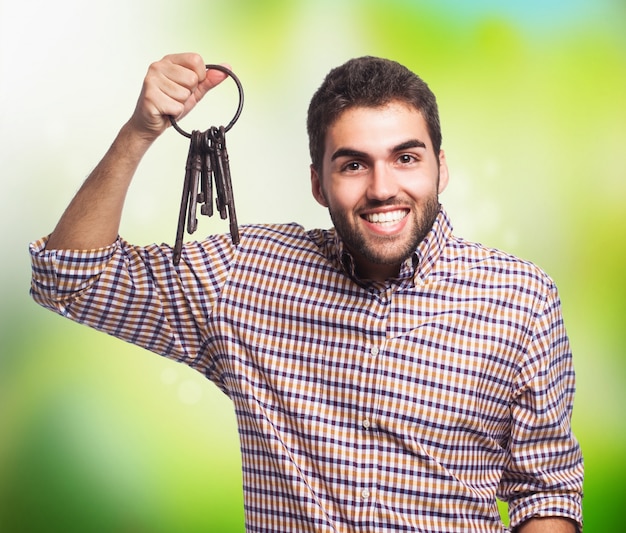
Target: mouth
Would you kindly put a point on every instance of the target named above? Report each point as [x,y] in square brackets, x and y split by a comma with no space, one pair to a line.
[387,218]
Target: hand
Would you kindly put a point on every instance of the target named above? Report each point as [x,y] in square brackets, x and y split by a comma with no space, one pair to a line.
[172,86]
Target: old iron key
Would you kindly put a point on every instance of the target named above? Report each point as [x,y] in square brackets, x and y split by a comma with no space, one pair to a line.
[207,165]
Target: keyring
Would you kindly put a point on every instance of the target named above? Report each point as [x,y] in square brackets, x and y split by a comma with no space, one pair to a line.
[239,107]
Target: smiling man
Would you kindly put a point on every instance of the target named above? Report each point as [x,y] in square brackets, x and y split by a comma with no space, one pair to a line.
[380,179]
[386,375]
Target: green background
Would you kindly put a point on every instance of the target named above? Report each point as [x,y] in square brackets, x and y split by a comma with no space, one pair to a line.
[96,435]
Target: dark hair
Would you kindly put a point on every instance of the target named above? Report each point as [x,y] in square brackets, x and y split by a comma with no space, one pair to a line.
[367,82]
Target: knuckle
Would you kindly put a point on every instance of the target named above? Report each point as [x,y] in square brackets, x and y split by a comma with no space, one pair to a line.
[196,61]
[189,80]
[176,109]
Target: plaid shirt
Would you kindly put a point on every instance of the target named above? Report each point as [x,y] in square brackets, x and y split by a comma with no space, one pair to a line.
[408,405]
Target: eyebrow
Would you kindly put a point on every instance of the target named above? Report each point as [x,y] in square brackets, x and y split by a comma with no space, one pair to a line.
[350,152]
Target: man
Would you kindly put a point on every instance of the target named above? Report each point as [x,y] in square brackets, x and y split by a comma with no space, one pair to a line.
[386,375]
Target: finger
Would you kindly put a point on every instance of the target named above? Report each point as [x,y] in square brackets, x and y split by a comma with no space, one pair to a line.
[177,79]
[212,78]
[176,89]
[189,61]
[186,80]
[177,76]
[164,96]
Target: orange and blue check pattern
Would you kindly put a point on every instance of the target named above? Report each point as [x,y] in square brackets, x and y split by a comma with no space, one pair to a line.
[401,406]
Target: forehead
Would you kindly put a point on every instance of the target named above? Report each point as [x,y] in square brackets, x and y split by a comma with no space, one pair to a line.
[375,128]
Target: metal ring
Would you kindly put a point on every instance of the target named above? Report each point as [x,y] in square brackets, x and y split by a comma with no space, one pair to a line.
[239,107]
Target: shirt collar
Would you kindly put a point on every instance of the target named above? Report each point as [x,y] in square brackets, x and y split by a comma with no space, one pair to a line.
[430,249]
[416,268]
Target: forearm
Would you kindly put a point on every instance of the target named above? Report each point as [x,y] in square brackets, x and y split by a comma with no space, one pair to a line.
[547,525]
[172,87]
[92,218]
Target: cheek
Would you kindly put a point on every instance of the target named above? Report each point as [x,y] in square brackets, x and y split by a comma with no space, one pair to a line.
[344,195]
[419,187]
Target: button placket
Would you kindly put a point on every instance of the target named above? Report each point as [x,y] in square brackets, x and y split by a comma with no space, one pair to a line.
[375,330]
[372,351]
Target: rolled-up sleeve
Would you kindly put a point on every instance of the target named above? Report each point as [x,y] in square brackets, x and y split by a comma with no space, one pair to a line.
[135,293]
[59,276]
[544,474]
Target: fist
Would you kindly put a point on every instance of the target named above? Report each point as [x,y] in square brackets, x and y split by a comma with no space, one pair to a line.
[172,86]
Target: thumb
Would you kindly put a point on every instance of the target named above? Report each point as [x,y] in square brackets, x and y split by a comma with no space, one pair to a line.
[214,77]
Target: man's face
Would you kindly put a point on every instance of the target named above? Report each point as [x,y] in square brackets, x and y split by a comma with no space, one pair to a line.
[380,181]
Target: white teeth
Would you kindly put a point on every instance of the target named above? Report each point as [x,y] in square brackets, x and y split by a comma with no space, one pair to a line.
[389,217]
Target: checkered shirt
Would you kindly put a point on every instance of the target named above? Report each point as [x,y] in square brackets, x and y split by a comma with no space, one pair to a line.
[409,405]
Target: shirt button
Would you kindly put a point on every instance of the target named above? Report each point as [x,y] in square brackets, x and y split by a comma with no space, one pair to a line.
[374,351]
[365,494]
[366,424]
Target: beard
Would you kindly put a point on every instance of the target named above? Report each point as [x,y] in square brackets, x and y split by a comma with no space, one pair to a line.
[386,250]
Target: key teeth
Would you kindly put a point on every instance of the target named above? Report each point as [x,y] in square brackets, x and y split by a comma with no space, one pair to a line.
[208,143]
[207,169]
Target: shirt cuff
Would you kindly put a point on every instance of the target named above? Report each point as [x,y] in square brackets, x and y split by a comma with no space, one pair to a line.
[563,505]
[57,274]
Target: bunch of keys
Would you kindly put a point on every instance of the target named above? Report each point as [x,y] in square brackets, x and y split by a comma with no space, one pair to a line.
[207,165]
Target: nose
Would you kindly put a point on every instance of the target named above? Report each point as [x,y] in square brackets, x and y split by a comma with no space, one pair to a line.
[382,184]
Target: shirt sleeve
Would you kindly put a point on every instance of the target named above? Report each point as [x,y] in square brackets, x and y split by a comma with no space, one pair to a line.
[544,473]
[136,293]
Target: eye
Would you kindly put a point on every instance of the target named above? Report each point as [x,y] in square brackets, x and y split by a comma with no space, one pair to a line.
[407,159]
[352,166]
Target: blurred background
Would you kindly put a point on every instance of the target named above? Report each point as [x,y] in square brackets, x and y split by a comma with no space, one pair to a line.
[96,435]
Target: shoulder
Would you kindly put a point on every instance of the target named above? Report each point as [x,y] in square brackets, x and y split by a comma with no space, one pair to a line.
[462,258]
[283,240]
[272,232]
[281,235]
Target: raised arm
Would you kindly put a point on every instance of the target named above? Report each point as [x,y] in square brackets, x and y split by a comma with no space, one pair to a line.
[172,86]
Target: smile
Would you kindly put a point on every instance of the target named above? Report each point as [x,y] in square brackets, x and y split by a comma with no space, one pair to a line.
[386,219]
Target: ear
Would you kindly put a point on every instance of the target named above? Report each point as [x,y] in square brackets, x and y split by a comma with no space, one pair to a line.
[316,188]
[444,175]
